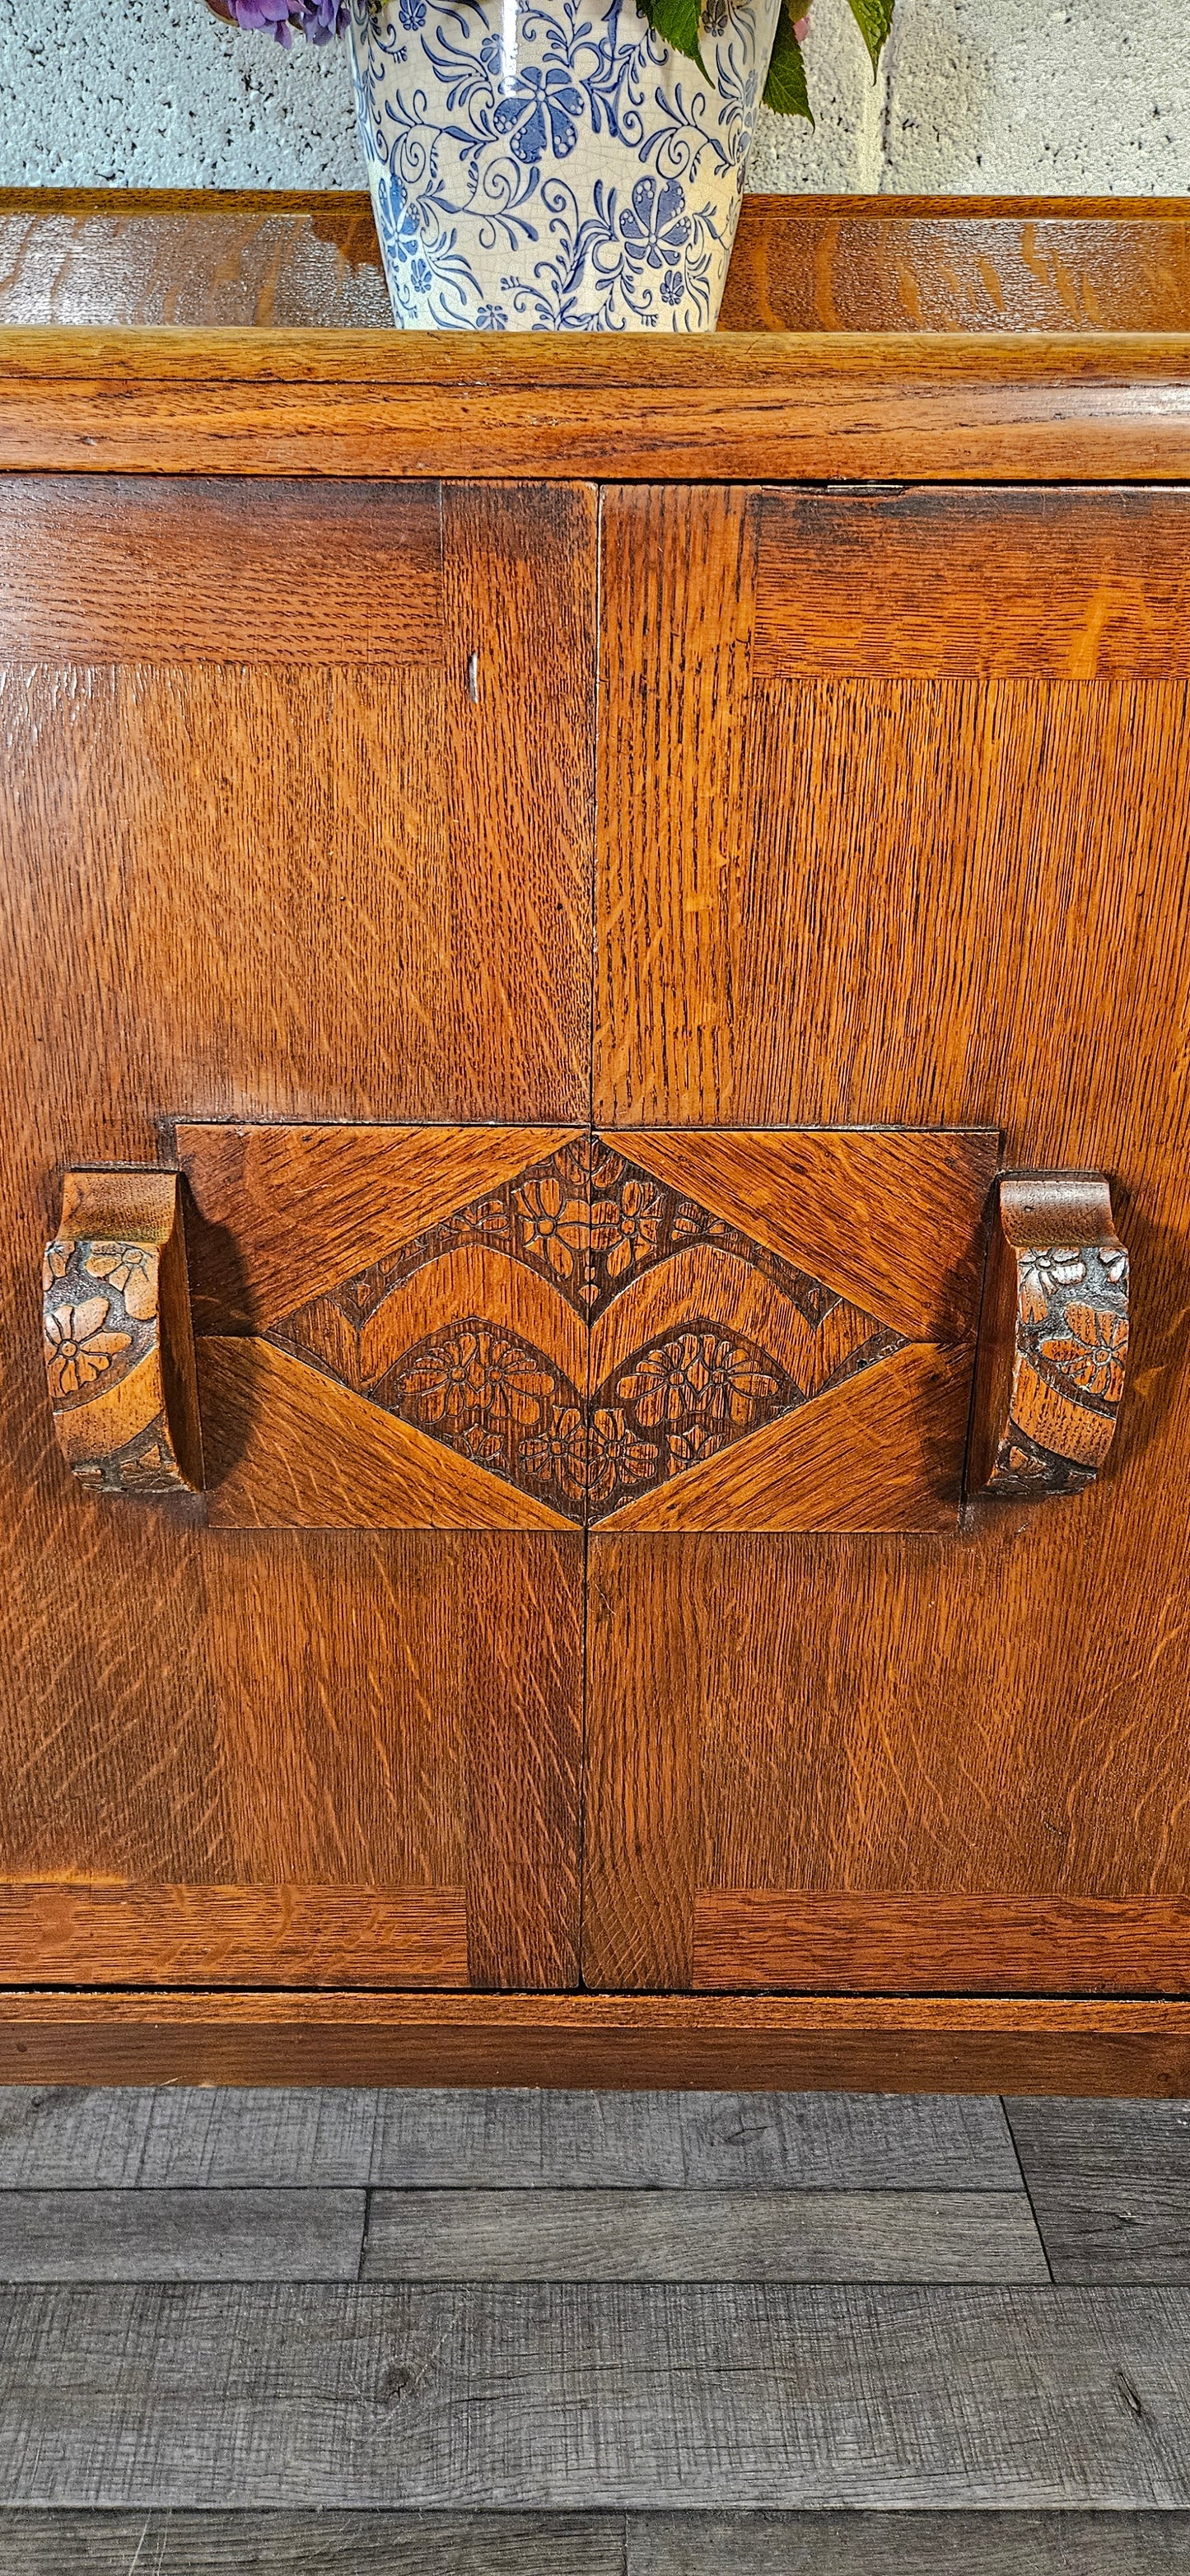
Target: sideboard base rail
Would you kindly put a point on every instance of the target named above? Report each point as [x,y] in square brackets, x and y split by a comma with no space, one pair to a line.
[888,2044]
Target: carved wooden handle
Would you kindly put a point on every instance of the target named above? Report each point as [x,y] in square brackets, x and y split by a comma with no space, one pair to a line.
[1054,1340]
[119,1352]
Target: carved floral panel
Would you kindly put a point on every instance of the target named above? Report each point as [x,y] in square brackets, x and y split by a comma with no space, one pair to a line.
[583,1425]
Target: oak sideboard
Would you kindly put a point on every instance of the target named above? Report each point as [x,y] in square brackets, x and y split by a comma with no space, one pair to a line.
[596,1219]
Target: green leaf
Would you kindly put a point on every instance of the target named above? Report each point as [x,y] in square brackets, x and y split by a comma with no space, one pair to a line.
[678,22]
[785,89]
[873,18]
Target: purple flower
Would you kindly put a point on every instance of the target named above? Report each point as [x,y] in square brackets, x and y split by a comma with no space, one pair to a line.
[317,20]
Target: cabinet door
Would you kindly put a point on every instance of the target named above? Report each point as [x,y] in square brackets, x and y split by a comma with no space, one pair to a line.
[894,788]
[274,856]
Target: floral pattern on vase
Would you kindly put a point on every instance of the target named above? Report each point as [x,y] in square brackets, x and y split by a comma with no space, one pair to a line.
[552,168]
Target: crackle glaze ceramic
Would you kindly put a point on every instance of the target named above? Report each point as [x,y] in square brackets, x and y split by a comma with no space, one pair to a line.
[555,167]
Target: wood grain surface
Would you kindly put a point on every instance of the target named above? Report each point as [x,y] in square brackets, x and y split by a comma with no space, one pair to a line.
[1114,2190]
[276,2543]
[269,258]
[275,829]
[279,1213]
[891,896]
[676,2396]
[732,1744]
[900,2544]
[218,1936]
[502,2235]
[154,570]
[265,257]
[236,2235]
[894,1221]
[240,888]
[1093,407]
[819,263]
[883,1451]
[182,2137]
[125,2137]
[1111,2142]
[957,585]
[901,2044]
[289,1449]
[753,1939]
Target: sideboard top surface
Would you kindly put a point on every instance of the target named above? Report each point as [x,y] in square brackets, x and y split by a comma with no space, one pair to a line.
[863,339]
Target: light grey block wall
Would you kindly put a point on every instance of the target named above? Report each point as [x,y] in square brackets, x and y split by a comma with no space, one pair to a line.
[975,96]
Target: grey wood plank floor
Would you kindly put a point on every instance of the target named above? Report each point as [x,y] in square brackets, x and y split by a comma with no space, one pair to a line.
[182,2137]
[561,2396]
[689,2544]
[697,2236]
[647,2333]
[1110,2182]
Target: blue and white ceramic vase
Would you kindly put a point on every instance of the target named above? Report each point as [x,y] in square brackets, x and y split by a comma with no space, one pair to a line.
[555,167]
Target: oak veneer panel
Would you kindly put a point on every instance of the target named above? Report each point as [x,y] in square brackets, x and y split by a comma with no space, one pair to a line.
[790,407]
[176,571]
[671,823]
[459,1657]
[252,891]
[572,1335]
[311,921]
[287,1448]
[261,257]
[760,1939]
[957,264]
[840,877]
[704,1279]
[362,1191]
[738,1740]
[220,1936]
[883,1451]
[520,568]
[271,258]
[894,1222]
[110,1730]
[903,2044]
[500,2235]
[967,584]
[943,902]
[673,2395]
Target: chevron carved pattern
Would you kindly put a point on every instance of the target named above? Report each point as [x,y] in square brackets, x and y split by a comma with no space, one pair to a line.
[533,1328]
[528,1383]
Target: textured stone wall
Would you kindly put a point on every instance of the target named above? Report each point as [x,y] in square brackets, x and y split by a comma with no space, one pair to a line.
[1044,96]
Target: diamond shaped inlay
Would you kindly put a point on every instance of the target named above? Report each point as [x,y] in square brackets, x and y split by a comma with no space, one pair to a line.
[585,1332]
